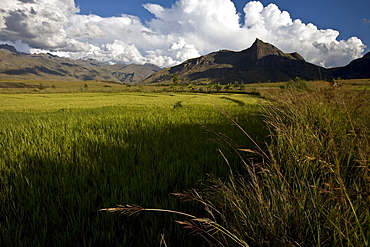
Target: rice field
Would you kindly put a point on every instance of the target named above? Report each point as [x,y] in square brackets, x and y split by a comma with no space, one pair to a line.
[64,156]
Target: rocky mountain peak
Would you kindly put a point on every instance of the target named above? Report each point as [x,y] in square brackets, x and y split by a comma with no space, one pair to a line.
[260,49]
[268,55]
[262,53]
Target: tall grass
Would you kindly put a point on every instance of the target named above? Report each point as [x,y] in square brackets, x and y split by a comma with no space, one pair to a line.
[322,146]
[312,188]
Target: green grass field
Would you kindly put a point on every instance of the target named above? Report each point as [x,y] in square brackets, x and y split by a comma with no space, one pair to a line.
[68,151]
[65,156]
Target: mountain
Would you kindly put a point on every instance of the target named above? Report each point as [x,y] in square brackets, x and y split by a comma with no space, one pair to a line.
[357,69]
[133,73]
[8,47]
[17,65]
[260,63]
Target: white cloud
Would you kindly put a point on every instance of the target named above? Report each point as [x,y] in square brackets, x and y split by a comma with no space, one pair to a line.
[187,29]
[40,23]
[366,21]
[208,25]
[317,46]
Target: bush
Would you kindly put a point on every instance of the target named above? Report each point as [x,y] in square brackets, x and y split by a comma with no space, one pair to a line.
[191,87]
[41,86]
[297,83]
[175,80]
[217,87]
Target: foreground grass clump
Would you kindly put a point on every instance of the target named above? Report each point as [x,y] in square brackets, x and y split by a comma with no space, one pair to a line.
[313,187]
[321,150]
[65,156]
[310,188]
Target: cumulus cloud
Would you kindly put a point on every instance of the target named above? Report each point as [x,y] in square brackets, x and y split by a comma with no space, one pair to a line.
[365,21]
[317,46]
[189,28]
[40,24]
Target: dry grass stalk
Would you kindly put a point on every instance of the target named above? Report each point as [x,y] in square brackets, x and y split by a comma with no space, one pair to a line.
[199,226]
[135,210]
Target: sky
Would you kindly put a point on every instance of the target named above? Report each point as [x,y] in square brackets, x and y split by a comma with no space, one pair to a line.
[328,33]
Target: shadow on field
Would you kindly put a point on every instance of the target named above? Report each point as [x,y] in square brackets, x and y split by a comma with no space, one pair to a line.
[239,102]
[56,190]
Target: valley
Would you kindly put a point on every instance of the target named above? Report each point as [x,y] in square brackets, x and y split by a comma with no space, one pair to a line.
[285,153]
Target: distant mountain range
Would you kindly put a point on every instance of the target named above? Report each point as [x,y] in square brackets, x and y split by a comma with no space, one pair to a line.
[17,65]
[261,62]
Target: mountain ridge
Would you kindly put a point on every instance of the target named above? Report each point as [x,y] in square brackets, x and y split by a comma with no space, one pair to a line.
[262,62]
[18,65]
[356,69]
[259,63]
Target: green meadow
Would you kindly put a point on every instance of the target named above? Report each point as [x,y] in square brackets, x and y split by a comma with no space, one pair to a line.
[269,164]
[64,156]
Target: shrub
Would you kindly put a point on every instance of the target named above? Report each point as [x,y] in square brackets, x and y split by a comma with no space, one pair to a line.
[175,80]
[41,86]
[191,87]
[229,86]
[297,83]
[217,87]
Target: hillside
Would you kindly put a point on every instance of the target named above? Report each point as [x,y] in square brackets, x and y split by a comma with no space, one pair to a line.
[17,65]
[357,69]
[260,63]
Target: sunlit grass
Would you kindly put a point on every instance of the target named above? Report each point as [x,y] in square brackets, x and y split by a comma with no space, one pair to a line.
[75,101]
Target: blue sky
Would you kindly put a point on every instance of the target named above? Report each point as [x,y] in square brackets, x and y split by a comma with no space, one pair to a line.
[328,33]
[349,17]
